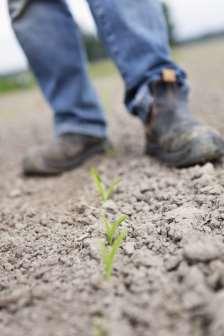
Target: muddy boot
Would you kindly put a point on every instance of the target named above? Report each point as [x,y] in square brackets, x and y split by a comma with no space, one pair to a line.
[172,134]
[65,153]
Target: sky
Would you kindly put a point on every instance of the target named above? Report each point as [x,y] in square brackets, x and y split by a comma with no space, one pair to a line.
[195,17]
[191,18]
[11,56]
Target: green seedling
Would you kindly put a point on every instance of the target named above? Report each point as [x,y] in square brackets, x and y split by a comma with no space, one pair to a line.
[111,228]
[105,192]
[109,253]
[99,328]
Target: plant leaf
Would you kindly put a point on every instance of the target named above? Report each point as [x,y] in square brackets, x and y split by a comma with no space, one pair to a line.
[111,254]
[99,184]
[114,227]
[113,187]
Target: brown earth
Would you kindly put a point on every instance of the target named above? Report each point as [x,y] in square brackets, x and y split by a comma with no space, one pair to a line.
[169,275]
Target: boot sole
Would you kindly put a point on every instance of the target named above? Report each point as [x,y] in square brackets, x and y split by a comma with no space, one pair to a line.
[70,165]
[195,152]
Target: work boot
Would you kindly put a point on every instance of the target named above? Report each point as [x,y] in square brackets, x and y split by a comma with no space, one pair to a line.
[64,153]
[172,133]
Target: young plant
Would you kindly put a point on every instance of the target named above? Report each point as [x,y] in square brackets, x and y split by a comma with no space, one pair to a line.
[111,228]
[104,192]
[99,328]
[109,253]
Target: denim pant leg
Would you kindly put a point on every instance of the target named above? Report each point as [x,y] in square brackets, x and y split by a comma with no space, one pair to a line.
[52,44]
[135,34]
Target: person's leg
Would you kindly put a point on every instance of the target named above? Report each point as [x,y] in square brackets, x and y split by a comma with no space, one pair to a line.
[135,35]
[52,44]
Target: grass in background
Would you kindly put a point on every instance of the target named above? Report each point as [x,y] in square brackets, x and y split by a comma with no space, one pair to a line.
[104,68]
[20,81]
[25,80]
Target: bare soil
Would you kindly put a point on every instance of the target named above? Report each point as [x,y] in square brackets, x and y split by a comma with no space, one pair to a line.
[169,275]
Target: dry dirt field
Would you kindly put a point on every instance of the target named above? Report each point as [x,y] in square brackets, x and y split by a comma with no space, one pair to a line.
[169,275]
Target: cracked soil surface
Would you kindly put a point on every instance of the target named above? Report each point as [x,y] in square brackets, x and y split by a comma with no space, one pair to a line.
[169,275]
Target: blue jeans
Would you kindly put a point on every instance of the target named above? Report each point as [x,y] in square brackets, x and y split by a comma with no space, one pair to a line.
[134,34]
